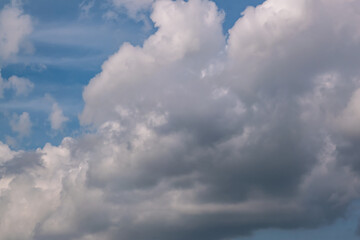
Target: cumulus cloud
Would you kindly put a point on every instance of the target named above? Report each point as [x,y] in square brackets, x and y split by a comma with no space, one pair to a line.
[202,137]
[166,57]
[21,86]
[57,118]
[21,124]
[14,27]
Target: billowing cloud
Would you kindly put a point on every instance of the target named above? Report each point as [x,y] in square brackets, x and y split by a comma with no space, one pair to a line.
[199,136]
[168,57]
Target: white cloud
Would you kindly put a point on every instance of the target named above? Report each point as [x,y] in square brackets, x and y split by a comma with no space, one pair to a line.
[14,27]
[21,124]
[169,49]
[21,86]
[186,153]
[5,153]
[57,118]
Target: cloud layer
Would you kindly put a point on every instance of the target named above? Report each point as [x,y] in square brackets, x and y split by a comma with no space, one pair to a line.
[203,136]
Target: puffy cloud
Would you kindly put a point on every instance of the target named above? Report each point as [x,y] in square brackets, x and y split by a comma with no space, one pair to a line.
[164,54]
[21,86]
[21,124]
[14,27]
[57,118]
[6,153]
[199,137]
[281,46]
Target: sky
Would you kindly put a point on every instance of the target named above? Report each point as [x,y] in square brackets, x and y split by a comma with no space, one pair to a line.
[169,120]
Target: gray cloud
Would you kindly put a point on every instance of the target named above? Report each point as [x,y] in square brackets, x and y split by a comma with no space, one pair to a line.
[203,137]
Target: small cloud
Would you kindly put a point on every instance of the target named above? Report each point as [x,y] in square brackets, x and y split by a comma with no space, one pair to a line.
[38,67]
[135,9]
[21,124]
[14,27]
[57,118]
[21,86]
[85,7]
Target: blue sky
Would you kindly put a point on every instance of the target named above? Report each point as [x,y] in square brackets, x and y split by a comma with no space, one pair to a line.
[257,83]
[67,51]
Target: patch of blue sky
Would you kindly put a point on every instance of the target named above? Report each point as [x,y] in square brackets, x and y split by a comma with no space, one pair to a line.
[344,228]
[67,52]
[233,10]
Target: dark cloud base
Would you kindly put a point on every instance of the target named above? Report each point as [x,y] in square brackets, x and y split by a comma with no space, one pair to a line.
[202,136]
